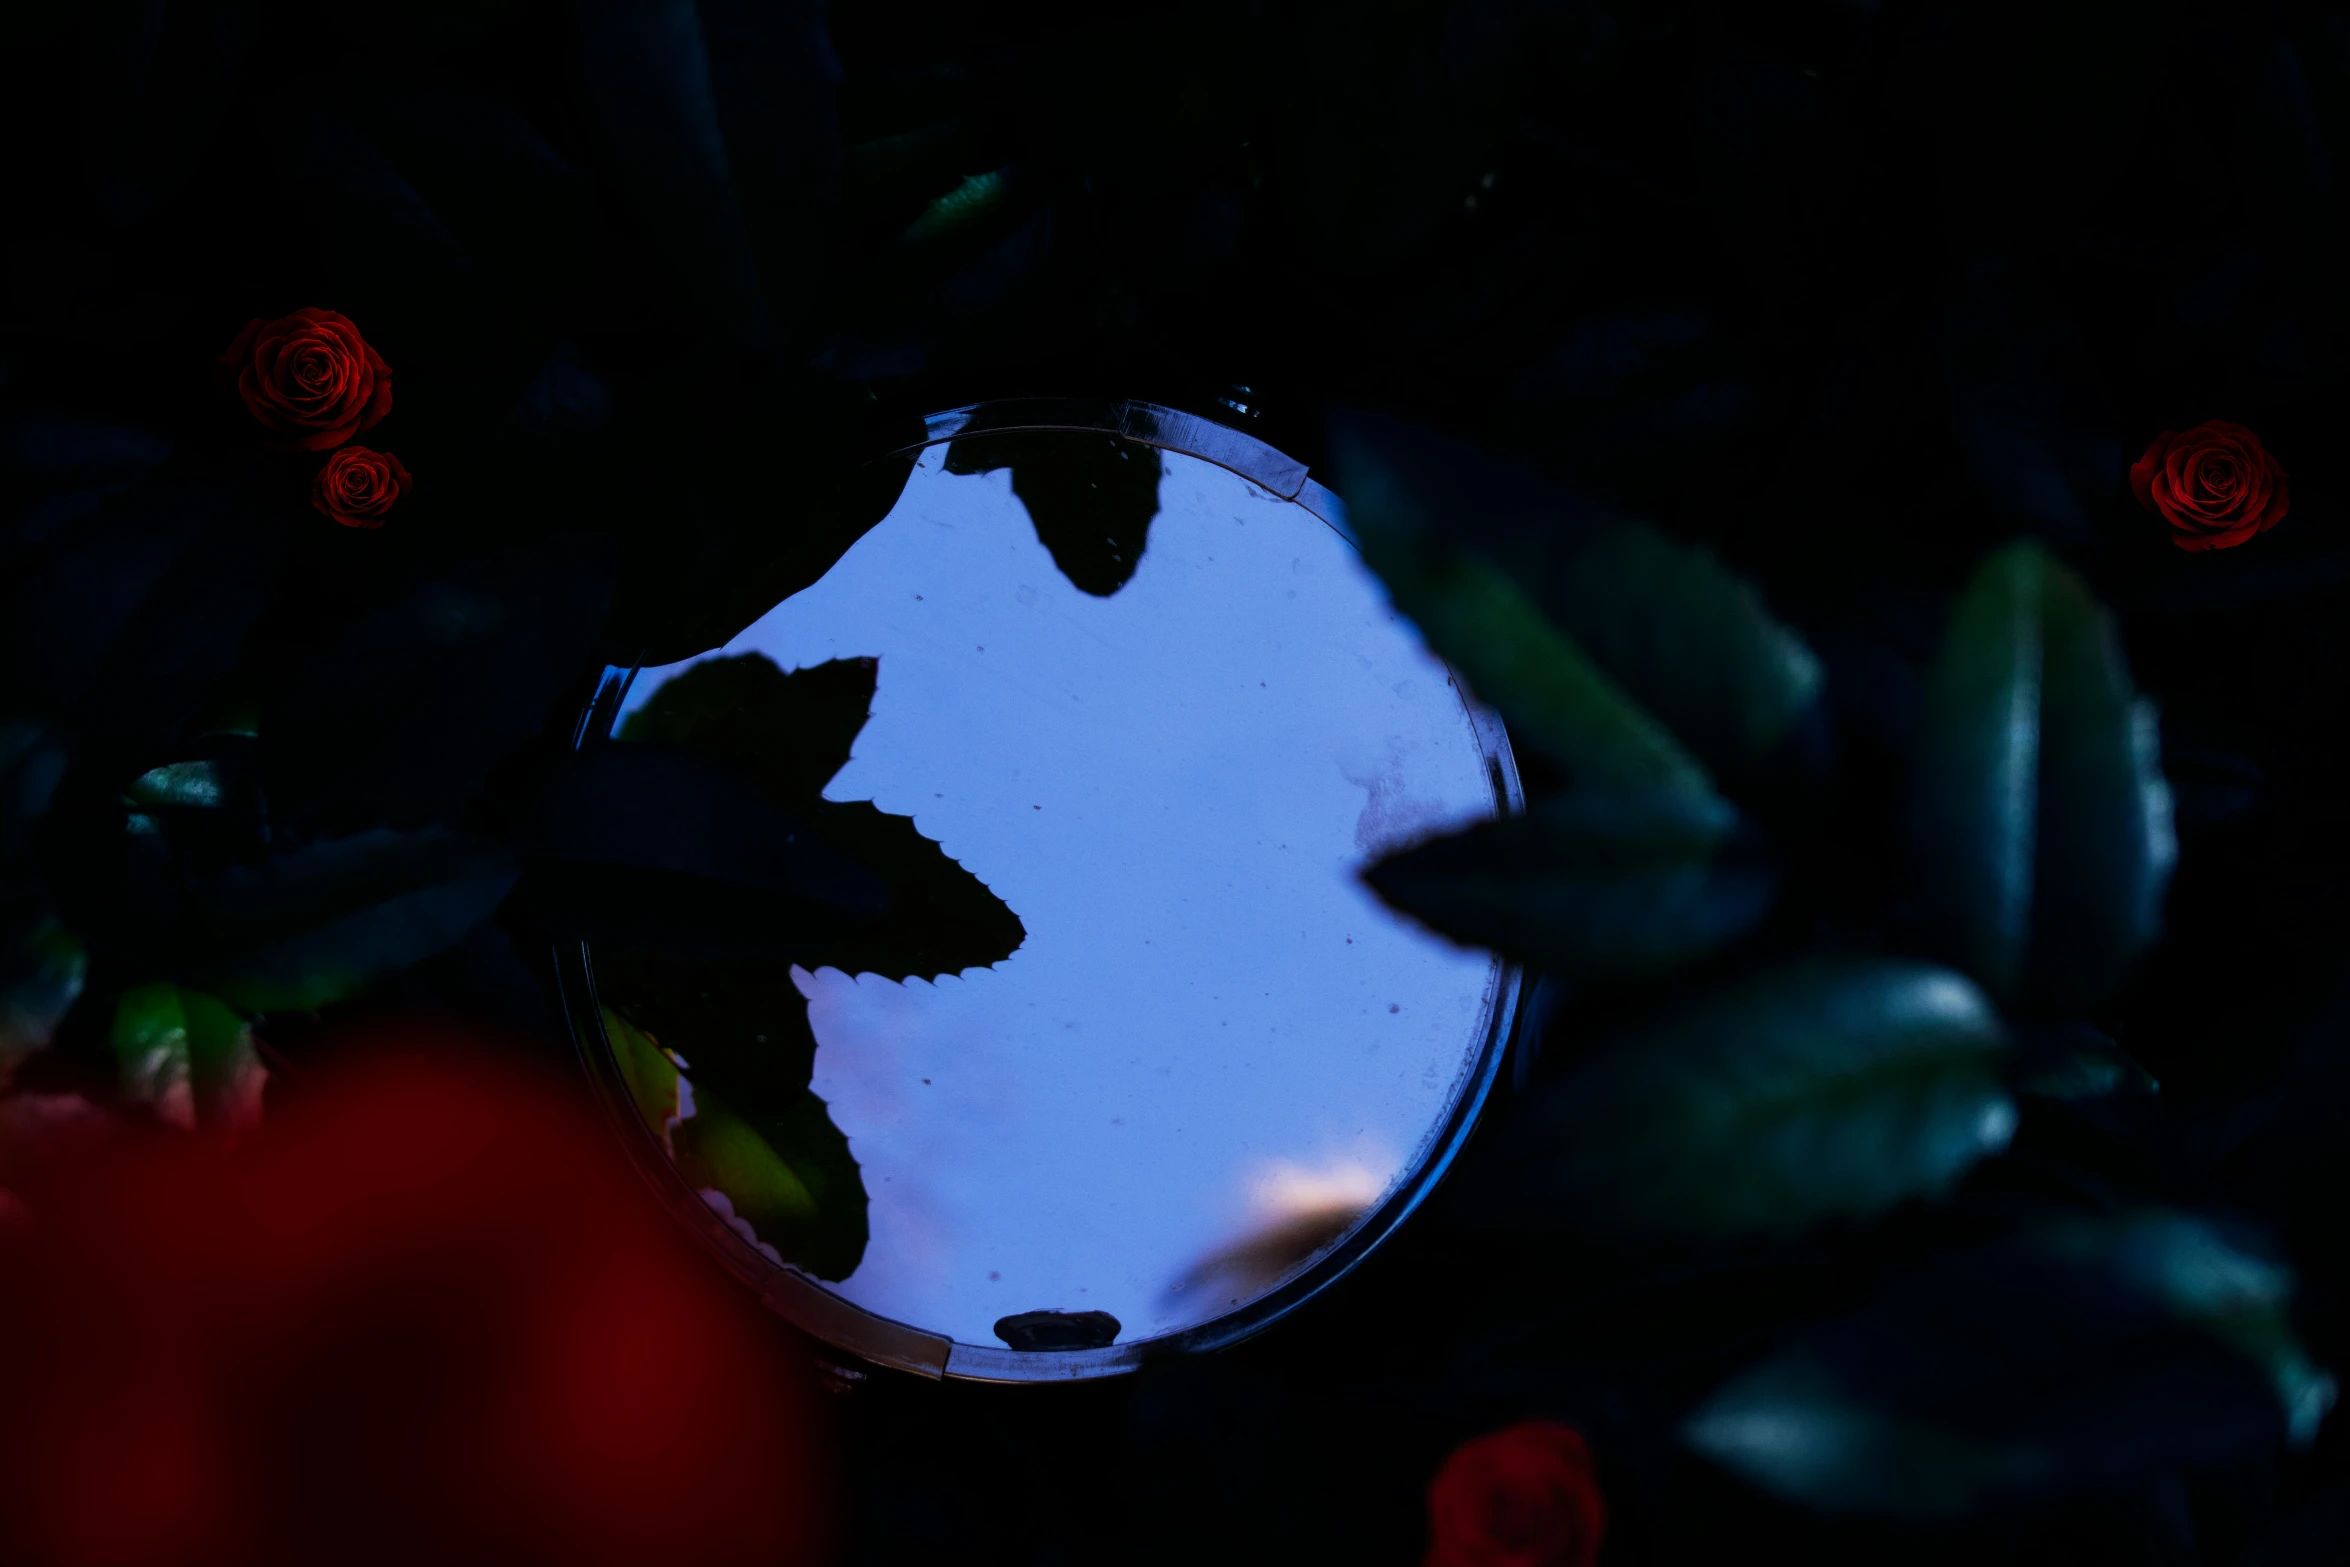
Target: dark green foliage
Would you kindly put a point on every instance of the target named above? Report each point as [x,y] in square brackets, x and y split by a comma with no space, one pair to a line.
[1807,1093]
[314,924]
[2041,817]
[2091,1353]
[1587,886]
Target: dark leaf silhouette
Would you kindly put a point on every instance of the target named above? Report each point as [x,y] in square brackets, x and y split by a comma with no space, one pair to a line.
[777,732]
[1092,497]
[1587,886]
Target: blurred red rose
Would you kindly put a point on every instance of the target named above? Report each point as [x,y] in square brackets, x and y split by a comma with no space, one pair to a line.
[1523,1496]
[310,378]
[357,486]
[2216,485]
[421,1317]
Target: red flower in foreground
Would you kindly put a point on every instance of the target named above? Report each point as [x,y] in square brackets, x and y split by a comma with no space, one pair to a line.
[2216,485]
[1523,1496]
[357,486]
[310,377]
[420,1317]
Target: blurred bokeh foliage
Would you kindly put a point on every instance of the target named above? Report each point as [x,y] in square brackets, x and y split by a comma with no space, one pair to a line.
[1940,884]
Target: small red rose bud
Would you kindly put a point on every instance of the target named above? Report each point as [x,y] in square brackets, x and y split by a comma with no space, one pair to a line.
[1523,1496]
[2216,485]
[358,486]
[310,378]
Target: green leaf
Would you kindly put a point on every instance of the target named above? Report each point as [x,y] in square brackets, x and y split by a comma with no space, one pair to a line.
[738,1031]
[184,785]
[1691,642]
[1586,886]
[2089,1353]
[317,924]
[40,980]
[2040,817]
[959,209]
[188,1058]
[1092,497]
[1816,1091]
[1476,618]
[649,1072]
[1688,641]
[644,77]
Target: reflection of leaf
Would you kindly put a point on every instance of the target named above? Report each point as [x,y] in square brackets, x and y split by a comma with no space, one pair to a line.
[756,1132]
[1812,1092]
[663,808]
[1586,885]
[313,925]
[1092,497]
[783,733]
[188,1058]
[732,710]
[650,1074]
[2040,815]
[2087,1356]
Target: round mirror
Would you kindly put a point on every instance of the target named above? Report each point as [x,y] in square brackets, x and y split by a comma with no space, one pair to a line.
[1094,1042]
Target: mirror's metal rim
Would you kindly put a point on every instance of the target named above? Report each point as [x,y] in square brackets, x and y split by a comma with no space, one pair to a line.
[804,1301]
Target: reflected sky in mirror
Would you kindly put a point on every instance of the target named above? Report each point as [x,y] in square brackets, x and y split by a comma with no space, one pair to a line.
[1215,1048]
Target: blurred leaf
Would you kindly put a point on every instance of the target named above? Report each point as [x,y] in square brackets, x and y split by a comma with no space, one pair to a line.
[399,710]
[1688,642]
[2036,429]
[2040,816]
[41,975]
[188,1058]
[2087,1356]
[194,786]
[789,1174]
[776,732]
[1554,696]
[315,924]
[1092,497]
[727,709]
[1816,1091]
[123,619]
[32,763]
[1398,110]
[1586,886]
[645,79]
[2076,1063]
[969,203]
[157,76]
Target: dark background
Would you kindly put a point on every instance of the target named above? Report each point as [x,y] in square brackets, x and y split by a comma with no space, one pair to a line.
[1850,293]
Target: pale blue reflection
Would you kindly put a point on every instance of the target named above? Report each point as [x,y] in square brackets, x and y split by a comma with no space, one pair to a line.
[1215,1046]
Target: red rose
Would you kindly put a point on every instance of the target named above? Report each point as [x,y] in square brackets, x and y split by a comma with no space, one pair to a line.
[1523,1496]
[423,1314]
[2215,485]
[310,377]
[358,486]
